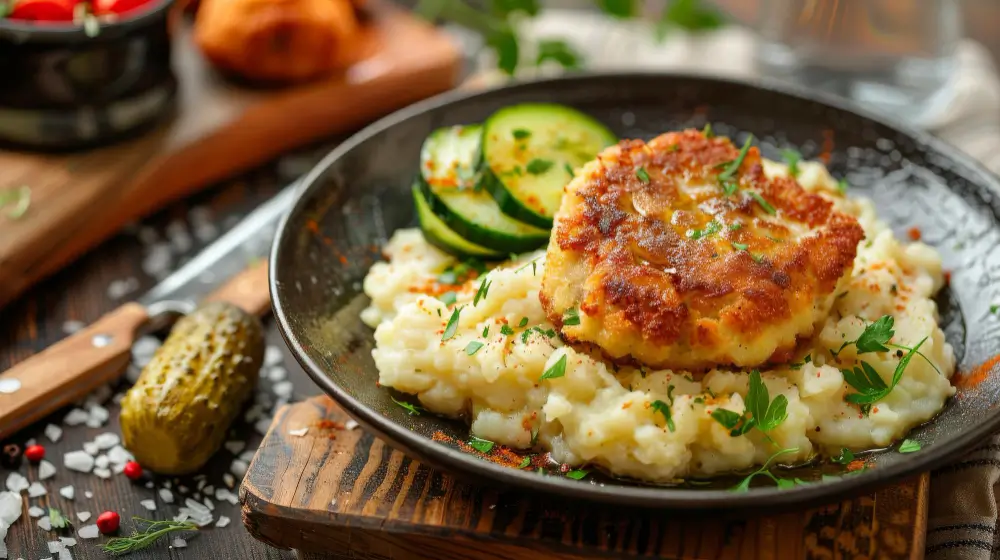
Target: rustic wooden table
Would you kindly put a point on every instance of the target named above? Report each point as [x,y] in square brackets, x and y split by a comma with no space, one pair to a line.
[114,272]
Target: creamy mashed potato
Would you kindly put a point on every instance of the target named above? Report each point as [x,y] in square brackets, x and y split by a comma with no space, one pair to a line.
[602,414]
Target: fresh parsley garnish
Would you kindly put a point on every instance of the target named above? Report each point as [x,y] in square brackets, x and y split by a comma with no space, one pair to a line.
[525,462]
[486,331]
[842,186]
[763,203]
[744,485]
[869,385]
[735,226]
[760,411]
[845,457]
[739,246]
[473,347]
[538,166]
[571,317]
[558,369]
[506,330]
[481,445]
[792,159]
[876,335]
[727,178]
[994,309]
[578,474]
[58,520]
[798,365]
[452,326]
[707,131]
[664,409]
[523,323]
[569,169]
[448,298]
[909,446]
[412,409]
[484,288]
[459,273]
[711,228]
[642,174]
[520,133]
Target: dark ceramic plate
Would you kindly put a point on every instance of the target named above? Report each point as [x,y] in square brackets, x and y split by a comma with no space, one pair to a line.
[351,203]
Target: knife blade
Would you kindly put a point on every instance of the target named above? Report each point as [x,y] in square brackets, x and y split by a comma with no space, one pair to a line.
[231,269]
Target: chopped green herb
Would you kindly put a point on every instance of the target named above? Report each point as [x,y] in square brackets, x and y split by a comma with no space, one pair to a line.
[842,186]
[473,347]
[523,323]
[909,446]
[763,203]
[569,169]
[642,174]
[757,257]
[486,331]
[448,298]
[20,197]
[578,474]
[534,436]
[664,409]
[558,369]
[763,470]
[845,457]
[792,159]
[452,326]
[484,288]
[869,385]
[707,131]
[529,263]
[525,462]
[727,178]
[506,330]
[57,520]
[481,445]
[735,226]
[699,400]
[739,246]
[711,228]
[798,365]
[673,148]
[994,309]
[520,133]
[413,409]
[767,413]
[153,531]
[538,166]
[558,51]
[571,317]
[732,421]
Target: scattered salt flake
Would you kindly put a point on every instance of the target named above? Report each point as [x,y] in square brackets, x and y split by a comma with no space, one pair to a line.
[103,473]
[44,523]
[209,504]
[223,494]
[83,516]
[67,492]
[98,396]
[76,417]
[101,461]
[228,479]
[118,455]
[166,495]
[88,532]
[209,490]
[10,508]
[98,416]
[350,425]
[55,546]
[222,522]
[235,447]
[53,432]
[88,494]
[46,470]
[35,511]
[122,287]
[78,461]
[183,489]
[149,484]
[148,504]
[36,490]
[158,260]
[167,484]
[201,484]
[72,326]
[178,236]
[17,483]
[178,543]
[300,432]
[67,541]
[262,425]
[273,356]
[91,448]
[238,468]
[277,374]
[283,389]
[107,440]
[247,455]
[195,506]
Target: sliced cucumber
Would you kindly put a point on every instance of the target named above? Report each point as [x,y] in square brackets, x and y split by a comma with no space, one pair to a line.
[528,153]
[450,186]
[439,235]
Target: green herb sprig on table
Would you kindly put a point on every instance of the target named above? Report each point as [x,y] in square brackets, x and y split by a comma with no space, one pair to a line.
[153,531]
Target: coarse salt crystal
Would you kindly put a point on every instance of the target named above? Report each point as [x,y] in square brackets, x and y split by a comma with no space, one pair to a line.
[91,448]
[36,489]
[238,468]
[272,356]
[120,288]
[179,543]
[10,508]
[35,511]
[88,494]
[107,440]
[178,236]
[118,455]
[132,374]
[209,490]
[222,494]
[83,516]
[158,260]
[195,506]
[228,479]
[53,432]
[67,541]
[148,504]
[79,461]
[209,504]
[201,484]
[166,495]
[222,522]
[262,425]
[350,425]
[149,484]
[103,473]
[98,416]
[88,532]
[67,492]
[277,374]
[46,470]
[101,461]
[17,483]
[235,447]
[55,546]
[182,489]
[253,413]
[300,432]
[76,417]
[283,389]
[44,523]
[167,484]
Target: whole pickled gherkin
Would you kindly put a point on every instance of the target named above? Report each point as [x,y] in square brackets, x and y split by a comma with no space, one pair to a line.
[179,411]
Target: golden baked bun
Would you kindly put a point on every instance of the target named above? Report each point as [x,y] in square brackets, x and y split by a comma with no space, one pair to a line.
[276,40]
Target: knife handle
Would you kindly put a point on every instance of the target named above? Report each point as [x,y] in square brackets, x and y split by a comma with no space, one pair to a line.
[68,370]
[247,290]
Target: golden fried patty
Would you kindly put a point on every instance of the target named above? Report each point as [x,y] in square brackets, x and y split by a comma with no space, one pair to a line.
[662,266]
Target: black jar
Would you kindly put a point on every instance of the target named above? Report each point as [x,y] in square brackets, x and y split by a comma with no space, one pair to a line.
[64,88]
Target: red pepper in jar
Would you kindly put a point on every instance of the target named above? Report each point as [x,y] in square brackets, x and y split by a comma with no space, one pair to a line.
[43,10]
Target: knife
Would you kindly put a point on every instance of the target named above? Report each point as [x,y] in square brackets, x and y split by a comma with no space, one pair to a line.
[70,369]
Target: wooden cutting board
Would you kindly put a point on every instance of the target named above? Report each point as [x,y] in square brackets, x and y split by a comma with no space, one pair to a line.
[338,493]
[80,199]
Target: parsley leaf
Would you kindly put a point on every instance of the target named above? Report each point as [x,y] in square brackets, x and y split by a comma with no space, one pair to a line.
[560,52]
[707,131]
[737,424]
[413,409]
[452,326]
[735,226]
[642,174]
[481,445]
[842,186]
[558,369]
[664,409]
[768,414]
[571,317]
[578,474]
[506,330]
[58,520]
[729,169]
[744,485]
[692,15]
[869,385]
[792,159]
[876,335]
[538,166]
[739,246]
[711,228]
[909,446]
[845,457]
[994,309]
[763,203]
[520,133]
[525,462]
[486,331]
[523,323]
[484,288]
[618,8]
[569,169]
[473,347]
[448,298]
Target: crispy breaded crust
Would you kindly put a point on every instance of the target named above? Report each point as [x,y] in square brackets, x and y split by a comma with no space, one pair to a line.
[633,248]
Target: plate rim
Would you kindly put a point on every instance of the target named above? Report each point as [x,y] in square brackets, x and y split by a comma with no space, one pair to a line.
[643,496]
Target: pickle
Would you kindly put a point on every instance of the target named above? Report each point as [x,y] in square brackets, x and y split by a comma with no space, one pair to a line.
[179,411]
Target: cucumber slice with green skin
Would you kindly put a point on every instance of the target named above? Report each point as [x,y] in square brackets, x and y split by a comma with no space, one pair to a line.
[442,237]
[450,186]
[528,155]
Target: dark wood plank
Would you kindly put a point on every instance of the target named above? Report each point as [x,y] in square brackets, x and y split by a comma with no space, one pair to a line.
[343,490]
